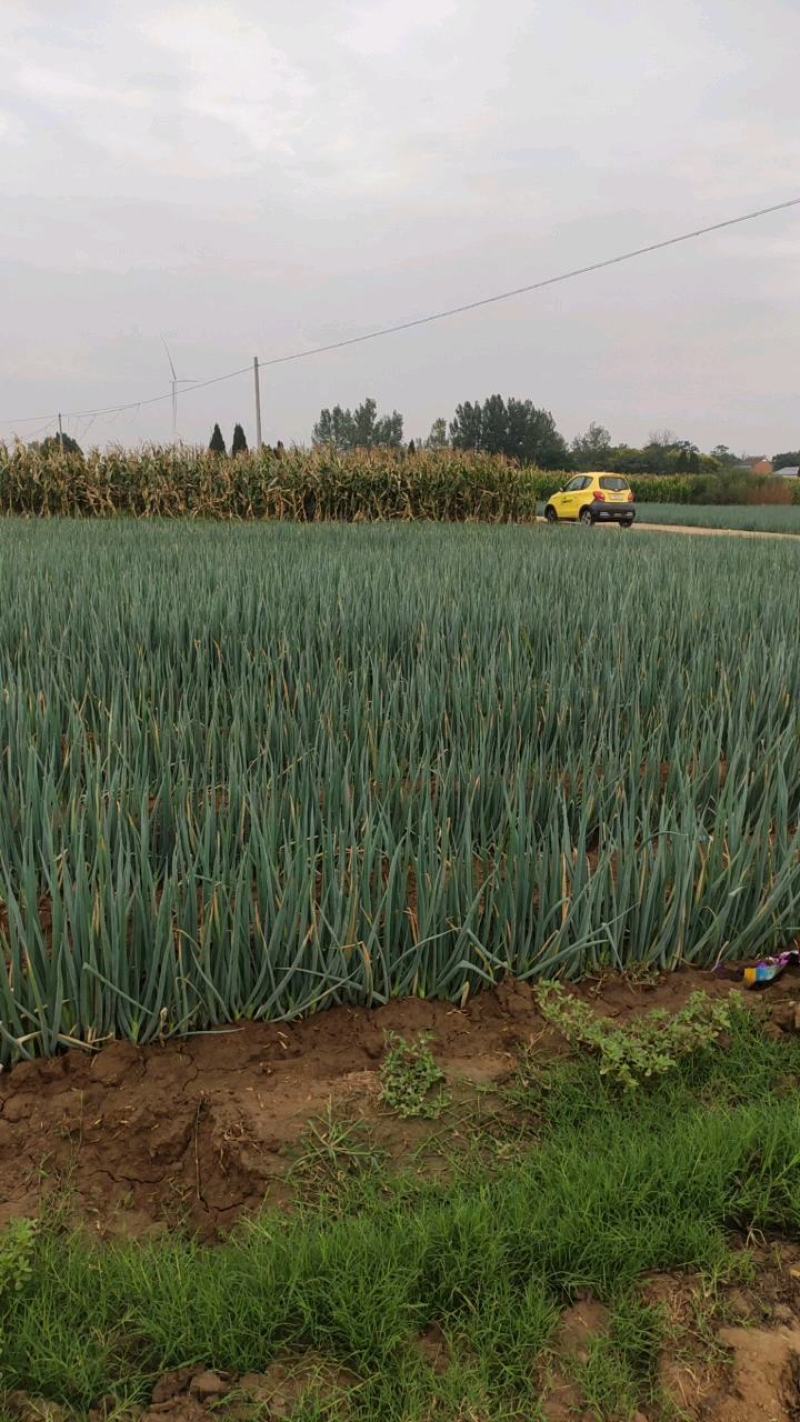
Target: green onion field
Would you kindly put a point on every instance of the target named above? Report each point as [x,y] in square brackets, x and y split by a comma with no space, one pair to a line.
[252,772]
[755,518]
[373,899]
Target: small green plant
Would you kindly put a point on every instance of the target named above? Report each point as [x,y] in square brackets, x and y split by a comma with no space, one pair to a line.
[408,1077]
[16,1251]
[335,1155]
[648,1046]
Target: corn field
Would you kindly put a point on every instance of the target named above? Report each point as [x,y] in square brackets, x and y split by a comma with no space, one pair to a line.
[297,485]
[252,771]
[315,486]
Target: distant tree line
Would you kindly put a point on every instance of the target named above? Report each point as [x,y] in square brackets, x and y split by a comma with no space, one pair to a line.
[527,434]
[515,428]
[663,454]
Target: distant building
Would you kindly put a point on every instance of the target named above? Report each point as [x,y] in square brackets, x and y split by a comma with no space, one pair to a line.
[760,465]
[789,471]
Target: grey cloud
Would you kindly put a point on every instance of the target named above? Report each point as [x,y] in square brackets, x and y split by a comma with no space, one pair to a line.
[266,178]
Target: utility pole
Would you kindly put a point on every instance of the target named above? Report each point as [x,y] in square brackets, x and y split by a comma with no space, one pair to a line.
[60,432]
[258,402]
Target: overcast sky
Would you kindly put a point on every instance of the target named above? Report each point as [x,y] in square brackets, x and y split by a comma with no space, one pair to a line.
[262,176]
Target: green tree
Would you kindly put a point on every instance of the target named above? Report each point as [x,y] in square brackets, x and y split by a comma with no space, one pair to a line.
[388,430]
[365,417]
[239,441]
[216,443]
[533,437]
[334,427]
[516,429]
[724,456]
[465,426]
[437,439]
[686,457]
[494,426]
[54,445]
[358,429]
[592,450]
[788,460]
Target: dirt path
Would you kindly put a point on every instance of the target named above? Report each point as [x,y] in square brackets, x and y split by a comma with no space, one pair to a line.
[710,532]
[695,529]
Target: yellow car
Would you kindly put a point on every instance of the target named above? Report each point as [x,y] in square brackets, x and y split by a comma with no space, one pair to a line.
[593,498]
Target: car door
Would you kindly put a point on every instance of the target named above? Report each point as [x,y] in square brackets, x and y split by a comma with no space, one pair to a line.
[566,503]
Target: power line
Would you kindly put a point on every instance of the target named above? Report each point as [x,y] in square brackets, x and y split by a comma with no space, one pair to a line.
[130,404]
[157,399]
[435,315]
[42,429]
[534,286]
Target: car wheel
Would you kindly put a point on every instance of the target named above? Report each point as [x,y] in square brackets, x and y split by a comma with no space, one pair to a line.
[586,518]
[550,514]
[627,523]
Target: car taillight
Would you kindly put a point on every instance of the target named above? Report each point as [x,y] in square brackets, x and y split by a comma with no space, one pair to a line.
[631,496]
[599,497]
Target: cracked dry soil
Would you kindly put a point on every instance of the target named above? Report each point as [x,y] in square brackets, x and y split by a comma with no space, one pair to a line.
[202,1129]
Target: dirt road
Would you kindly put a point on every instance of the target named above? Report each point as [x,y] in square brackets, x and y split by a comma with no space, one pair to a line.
[695,529]
[710,532]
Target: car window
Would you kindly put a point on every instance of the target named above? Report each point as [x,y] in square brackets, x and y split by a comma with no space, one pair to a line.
[613,482]
[573,486]
[586,481]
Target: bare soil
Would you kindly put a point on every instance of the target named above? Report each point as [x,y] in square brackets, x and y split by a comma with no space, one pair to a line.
[714,1370]
[206,1128]
[203,1129]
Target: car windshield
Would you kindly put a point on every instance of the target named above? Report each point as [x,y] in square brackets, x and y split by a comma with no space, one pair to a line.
[613,483]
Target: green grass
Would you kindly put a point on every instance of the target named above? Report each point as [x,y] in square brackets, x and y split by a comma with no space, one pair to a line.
[619,1184]
[253,771]
[764,518]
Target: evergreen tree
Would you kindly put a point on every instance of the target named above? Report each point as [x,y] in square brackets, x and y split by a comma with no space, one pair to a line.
[239,441]
[217,443]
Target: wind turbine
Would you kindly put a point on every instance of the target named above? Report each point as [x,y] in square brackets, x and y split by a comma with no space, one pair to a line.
[175,383]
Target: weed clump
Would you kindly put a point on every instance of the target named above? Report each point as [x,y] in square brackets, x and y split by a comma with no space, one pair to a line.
[16,1267]
[651,1045]
[409,1075]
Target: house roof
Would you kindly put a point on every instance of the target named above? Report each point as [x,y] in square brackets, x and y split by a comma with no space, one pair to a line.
[789,471]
